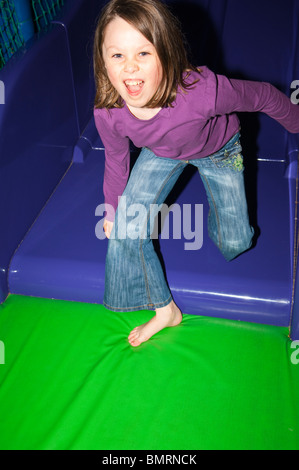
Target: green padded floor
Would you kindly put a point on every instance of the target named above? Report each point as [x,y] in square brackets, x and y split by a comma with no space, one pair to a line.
[72,381]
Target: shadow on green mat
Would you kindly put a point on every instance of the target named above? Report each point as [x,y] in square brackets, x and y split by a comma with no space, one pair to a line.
[72,381]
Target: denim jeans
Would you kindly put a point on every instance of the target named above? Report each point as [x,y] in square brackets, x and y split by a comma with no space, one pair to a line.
[134,279]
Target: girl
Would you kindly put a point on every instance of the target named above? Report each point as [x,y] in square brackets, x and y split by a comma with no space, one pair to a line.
[148,92]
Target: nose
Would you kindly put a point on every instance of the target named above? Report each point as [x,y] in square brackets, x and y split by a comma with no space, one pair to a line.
[131,66]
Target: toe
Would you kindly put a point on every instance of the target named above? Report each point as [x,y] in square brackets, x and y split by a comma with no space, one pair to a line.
[133,336]
[135,343]
[133,333]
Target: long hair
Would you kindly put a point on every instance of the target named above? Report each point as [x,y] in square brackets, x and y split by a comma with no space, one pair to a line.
[157,24]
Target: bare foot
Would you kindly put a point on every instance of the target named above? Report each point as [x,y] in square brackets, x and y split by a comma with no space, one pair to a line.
[165,317]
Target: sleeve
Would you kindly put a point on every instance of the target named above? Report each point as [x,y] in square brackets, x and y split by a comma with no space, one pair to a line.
[249,96]
[117,161]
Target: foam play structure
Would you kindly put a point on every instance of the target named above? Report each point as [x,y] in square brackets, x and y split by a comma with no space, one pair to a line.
[52,164]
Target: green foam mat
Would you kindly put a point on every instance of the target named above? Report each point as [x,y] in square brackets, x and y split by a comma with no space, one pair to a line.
[72,381]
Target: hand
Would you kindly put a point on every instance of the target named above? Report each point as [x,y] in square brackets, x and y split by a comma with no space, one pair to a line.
[107,227]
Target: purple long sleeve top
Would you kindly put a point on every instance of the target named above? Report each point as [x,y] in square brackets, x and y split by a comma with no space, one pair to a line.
[201,121]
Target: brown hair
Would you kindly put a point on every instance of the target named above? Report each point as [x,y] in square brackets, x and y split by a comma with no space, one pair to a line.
[154,21]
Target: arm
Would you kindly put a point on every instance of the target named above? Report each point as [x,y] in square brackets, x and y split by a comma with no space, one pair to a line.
[249,96]
[117,163]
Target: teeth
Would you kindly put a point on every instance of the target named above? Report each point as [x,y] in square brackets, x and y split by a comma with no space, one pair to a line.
[133,82]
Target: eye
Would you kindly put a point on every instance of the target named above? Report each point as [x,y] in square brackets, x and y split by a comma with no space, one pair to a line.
[143,54]
[117,56]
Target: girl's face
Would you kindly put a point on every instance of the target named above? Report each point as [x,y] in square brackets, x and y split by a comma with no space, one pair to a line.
[132,63]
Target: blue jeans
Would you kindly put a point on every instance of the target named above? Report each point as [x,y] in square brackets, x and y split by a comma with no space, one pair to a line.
[134,279]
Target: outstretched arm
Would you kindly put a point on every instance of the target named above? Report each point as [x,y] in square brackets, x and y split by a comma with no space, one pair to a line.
[250,96]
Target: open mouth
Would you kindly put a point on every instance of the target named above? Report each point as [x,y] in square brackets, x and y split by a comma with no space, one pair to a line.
[134,87]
